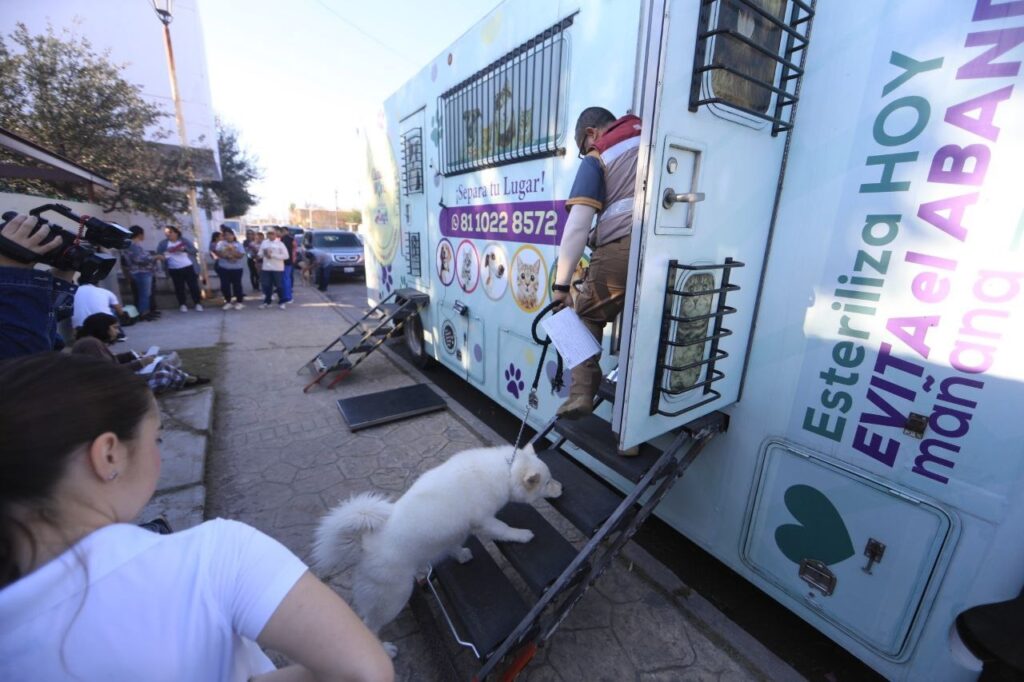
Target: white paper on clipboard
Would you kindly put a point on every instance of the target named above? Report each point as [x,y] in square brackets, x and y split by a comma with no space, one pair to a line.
[148,369]
[572,339]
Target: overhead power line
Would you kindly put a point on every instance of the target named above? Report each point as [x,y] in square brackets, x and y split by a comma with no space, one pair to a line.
[362,31]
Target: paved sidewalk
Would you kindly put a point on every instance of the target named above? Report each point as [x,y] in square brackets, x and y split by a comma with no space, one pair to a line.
[278,459]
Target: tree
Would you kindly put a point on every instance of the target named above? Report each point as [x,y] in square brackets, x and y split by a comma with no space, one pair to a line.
[59,93]
[237,170]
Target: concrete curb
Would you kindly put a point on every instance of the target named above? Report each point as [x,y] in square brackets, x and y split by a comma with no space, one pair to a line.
[187,427]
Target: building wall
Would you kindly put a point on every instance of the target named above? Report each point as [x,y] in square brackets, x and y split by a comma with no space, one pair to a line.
[133,34]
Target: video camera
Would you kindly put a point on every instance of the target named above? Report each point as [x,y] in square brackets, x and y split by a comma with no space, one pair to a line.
[78,249]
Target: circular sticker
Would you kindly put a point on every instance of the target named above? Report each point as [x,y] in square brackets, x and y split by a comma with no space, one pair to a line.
[494,271]
[529,274]
[445,262]
[467,262]
[448,337]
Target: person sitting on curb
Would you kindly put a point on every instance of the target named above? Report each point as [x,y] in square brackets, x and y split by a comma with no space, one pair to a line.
[101,330]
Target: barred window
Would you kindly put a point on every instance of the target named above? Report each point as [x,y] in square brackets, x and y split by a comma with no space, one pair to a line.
[412,161]
[511,110]
[748,58]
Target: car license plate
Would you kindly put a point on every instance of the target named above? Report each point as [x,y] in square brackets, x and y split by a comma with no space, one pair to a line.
[349,270]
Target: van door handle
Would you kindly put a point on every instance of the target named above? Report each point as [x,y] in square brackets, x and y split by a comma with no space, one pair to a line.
[671,198]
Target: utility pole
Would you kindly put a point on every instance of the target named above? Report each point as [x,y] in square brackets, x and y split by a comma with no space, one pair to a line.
[163,12]
[336,219]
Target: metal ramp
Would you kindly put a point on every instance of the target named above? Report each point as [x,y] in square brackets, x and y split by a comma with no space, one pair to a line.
[366,335]
[502,625]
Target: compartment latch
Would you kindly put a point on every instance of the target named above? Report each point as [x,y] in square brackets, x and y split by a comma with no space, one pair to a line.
[818,575]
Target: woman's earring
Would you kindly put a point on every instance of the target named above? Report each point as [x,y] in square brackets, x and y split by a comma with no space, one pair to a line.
[112,476]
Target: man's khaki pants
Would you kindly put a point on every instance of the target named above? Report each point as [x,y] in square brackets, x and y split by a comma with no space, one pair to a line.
[599,300]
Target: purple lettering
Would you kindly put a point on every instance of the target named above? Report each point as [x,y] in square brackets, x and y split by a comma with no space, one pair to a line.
[931,212]
[1011,283]
[961,422]
[871,446]
[1002,41]
[917,339]
[987,9]
[958,158]
[986,106]
[926,457]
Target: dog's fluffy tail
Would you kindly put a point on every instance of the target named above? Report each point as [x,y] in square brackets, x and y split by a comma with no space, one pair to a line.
[338,539]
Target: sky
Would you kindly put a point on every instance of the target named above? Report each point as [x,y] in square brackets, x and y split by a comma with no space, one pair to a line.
[298,78]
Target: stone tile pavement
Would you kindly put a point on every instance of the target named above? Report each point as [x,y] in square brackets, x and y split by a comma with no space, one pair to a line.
[278,459]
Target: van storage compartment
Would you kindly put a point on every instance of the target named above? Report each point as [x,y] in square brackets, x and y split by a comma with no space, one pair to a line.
[861,555]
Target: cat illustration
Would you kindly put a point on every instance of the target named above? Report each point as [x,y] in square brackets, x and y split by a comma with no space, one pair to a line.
[467,266]
[493,269]
[527,284]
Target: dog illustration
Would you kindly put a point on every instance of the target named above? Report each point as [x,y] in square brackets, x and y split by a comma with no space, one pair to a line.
[390,543]
[446,258]
[493,268]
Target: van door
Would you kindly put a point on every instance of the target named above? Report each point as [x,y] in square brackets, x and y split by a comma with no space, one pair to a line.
[412,204]
[709,167]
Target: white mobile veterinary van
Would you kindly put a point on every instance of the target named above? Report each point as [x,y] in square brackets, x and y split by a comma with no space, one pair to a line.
[828,247]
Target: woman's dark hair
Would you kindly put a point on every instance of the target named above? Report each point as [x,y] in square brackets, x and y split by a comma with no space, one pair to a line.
[52,404]
[175,230]
[96,326]
[136,230]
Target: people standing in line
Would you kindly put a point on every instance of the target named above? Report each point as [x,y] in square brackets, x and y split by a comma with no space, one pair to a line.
[181,266]
[141,267]
[85,594]
[289,265]
[214,258]
[604,186]
[274,254]
[231,258]
[252,247]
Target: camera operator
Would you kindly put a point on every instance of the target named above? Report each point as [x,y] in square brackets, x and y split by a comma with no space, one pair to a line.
[32,301]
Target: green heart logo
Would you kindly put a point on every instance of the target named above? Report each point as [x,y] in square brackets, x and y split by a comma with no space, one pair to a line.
[820,533]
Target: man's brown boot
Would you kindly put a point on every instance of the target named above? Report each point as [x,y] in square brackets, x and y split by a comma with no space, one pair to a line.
[586,377]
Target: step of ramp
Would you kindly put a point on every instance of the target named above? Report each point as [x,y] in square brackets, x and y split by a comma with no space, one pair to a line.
[585,501]
[541,560]
[595,435]
[482,601]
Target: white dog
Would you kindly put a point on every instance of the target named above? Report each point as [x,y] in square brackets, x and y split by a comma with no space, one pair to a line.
[390,543]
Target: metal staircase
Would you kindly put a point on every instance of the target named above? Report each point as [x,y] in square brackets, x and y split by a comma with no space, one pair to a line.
[487,614]
[366,335]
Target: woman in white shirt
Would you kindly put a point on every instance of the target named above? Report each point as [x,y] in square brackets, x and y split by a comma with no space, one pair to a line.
[181,266]
[273,254]
[86,595]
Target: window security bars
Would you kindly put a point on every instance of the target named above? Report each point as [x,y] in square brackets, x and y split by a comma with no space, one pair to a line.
[412,161]
[412,254]
[686,351]
[511,110]
[742,61]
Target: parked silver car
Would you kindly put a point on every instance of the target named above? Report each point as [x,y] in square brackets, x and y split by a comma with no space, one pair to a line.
[337,251]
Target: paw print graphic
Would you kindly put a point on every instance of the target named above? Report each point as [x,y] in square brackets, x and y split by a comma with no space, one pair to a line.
[386,281]
[514,377]
[549,369]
